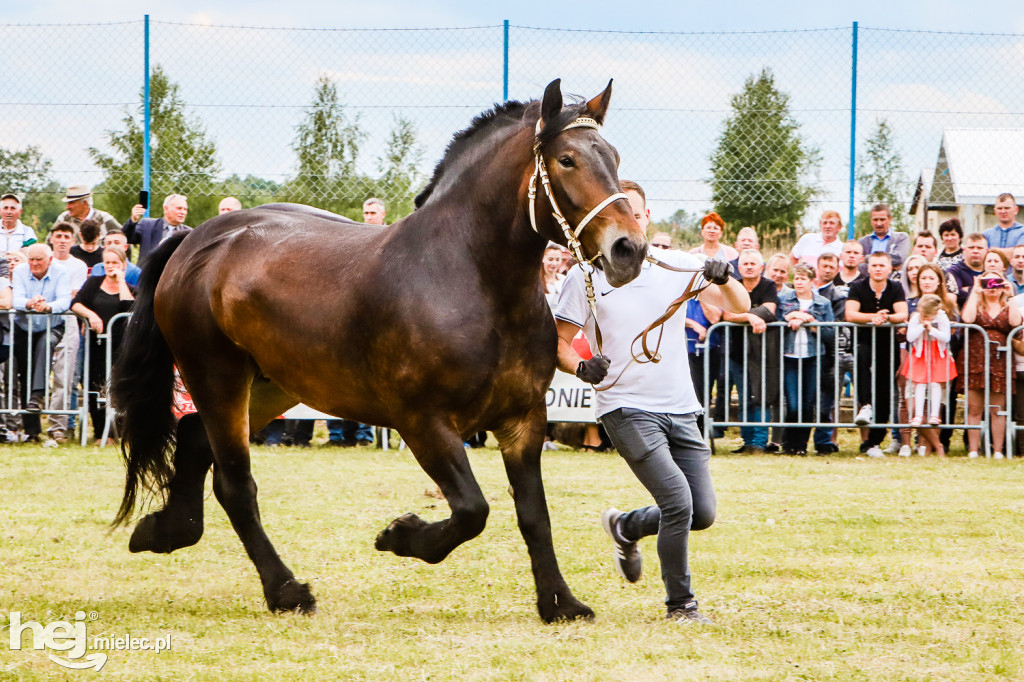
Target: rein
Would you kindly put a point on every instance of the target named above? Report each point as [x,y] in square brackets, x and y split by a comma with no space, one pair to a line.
[571,235]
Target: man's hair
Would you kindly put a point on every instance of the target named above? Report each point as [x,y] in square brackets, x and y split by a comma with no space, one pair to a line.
[778,256]
[171,197]
[749,252]
[951,225]
[89,230]
[1006,196]
[976,237]
[748,230]
[828,256]
[375,200]
[850,242]
[881,207]
[1018,246]
[629,185]
[114,230]
[927,234]
[880,254]
[804,269]
[63,226]
[832,214]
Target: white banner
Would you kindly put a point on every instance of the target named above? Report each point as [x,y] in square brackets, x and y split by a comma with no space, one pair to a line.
[568,400]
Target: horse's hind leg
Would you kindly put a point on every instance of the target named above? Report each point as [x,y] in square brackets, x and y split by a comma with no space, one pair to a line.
[180,522]
[521,444]
[439,450]
[222,398]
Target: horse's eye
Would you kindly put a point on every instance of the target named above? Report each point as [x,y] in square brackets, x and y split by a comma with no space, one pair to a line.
[566,162]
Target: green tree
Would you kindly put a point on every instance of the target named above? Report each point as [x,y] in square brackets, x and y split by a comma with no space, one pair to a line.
[760,171]
[400,178]
[327,148]
[24,171]
[880,174]
[27,172]
[183,159]
[250,191]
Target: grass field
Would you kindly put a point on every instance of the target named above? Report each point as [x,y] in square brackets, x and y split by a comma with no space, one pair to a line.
[817,568]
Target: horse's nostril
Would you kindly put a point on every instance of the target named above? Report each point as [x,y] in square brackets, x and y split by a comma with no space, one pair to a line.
[624,248]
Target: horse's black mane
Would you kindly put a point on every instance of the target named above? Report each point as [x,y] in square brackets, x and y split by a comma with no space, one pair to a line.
[500,116]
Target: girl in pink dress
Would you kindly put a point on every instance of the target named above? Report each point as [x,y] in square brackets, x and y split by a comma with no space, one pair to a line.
[929,364]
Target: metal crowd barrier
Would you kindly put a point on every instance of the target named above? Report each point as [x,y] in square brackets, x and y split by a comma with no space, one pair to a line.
[768,409]
[63,383]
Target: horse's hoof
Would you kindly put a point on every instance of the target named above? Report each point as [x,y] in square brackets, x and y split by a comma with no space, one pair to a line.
[293,596]
[152,534]
[567,608]
[395,537]
[144,536]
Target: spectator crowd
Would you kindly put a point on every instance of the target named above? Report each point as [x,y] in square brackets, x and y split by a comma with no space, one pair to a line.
[903,361]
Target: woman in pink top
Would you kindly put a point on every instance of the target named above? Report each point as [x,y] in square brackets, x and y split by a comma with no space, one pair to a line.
[711,227]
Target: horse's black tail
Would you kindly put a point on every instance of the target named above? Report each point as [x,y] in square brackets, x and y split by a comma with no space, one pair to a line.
[142,391]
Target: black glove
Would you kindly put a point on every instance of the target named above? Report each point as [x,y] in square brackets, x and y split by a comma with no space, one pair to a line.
[717,271]
[594,370]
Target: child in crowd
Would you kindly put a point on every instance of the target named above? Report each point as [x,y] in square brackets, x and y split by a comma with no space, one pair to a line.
[929,366]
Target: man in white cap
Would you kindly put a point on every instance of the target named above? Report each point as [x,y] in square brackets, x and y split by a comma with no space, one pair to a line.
[78,200]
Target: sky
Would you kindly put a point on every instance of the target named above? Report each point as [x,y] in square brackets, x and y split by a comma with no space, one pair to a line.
[989,16]
[670,92]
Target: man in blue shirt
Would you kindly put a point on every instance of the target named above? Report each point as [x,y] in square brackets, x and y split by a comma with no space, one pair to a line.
[43,287]
[1007,232]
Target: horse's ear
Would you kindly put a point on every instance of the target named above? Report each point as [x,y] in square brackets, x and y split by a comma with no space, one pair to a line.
[599,105]
[551,105]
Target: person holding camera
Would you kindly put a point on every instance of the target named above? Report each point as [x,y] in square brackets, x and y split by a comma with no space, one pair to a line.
[649,409]
[990,306]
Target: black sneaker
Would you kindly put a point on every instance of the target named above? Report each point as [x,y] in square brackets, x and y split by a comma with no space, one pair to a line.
[772,447]
[689,614]
[628,561]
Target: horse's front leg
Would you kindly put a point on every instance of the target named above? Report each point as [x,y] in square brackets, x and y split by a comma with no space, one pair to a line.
[439,449]
[521,443]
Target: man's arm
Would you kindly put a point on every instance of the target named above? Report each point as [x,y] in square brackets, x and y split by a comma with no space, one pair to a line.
[853,313]
[6,295]
[62,292]
[19,285]
[731,297]
[899,312]
[568,358]
[900,248]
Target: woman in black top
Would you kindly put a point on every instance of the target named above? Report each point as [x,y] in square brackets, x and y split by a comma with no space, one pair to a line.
[99,299]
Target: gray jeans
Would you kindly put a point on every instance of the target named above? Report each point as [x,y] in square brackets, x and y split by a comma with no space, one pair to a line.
[668,455]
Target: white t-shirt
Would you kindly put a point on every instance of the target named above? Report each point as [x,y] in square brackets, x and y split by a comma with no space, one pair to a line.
[812,245]
[77,271]
[664,387]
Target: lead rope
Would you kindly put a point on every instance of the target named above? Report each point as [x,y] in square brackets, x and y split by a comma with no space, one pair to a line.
[649,356]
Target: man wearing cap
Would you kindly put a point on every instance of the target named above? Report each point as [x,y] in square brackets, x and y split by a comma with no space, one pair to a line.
[14,234]
[149,233]
[79,204]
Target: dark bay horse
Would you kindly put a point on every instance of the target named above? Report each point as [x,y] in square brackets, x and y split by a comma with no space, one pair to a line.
[435,326]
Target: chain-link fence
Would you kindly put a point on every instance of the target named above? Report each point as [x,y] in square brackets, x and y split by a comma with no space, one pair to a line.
[757,125]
